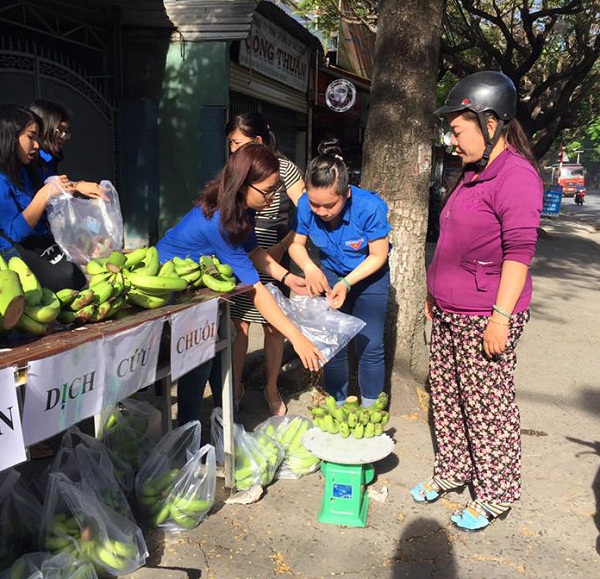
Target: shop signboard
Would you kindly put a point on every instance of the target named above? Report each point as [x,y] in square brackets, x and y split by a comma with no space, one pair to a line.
[273,52]
[63,389]
[193,337]
[12,445]
[132,359]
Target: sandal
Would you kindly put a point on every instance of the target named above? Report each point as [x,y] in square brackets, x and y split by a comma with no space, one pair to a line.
[431,490]
[277,408]
[478,515]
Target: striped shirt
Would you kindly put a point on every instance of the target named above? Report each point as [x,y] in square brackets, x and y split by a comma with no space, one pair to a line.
[272,225]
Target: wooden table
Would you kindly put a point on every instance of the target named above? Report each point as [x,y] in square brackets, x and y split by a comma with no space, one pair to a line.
[19,353]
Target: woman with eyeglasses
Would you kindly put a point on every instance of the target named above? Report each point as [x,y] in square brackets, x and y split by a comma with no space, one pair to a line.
[221,223]
[349,227]
[55,132]
[273,233]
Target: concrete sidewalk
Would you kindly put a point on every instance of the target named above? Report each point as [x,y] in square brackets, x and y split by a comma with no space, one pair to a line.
[552,532]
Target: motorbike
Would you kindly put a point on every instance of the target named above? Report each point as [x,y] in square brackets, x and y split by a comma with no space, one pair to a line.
[579,196]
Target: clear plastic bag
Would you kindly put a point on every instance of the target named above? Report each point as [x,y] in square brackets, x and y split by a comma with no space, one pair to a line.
[20,513]
[75,522]
[131,429]
[257,456]
[81,467]
[158,475]
[103,455]
[191,494]
[47,566]
[329,329]
[288,431]
[86,228]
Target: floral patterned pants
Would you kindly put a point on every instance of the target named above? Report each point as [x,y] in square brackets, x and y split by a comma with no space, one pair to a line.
[475,416]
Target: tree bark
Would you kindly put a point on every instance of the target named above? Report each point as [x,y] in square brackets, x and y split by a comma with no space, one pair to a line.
[397,164]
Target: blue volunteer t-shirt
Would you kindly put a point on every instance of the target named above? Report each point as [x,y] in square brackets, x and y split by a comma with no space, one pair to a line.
[364,219]
[13,201]
[196,235]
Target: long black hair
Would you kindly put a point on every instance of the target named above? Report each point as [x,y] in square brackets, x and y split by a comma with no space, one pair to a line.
[250,164]
[13,121]
[52,114]
[253,124]
[328,168]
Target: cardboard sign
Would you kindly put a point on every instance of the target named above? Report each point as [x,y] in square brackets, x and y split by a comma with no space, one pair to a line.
[131,361]
[63,390]
[12,445]
[193,337]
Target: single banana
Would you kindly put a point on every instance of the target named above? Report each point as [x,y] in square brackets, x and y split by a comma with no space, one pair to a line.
[151,263]
[118,283]
[183,266]
[115,262]
[84,314]
[66,296]
[142,300]
[32,289]
[99,278]
[84,298]
[154,282]
[100,311]
[102,292]
[67,317]
[47,310]
[134,257]
[217,285]
[167,268]
[192,276]
[32,326]
[96,266]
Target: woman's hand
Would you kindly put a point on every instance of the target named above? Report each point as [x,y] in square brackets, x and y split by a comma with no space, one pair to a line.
[308,353]
[316,282]
[88,189]
[297,284]
[338,294]
[495,337]
[429,303]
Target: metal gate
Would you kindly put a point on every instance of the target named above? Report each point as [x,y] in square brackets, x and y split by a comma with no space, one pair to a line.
[92,152]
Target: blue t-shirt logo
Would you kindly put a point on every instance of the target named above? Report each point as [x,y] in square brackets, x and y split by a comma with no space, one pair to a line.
[355,243]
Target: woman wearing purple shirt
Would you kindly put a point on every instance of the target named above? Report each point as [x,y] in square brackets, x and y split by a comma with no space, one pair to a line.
[479,291]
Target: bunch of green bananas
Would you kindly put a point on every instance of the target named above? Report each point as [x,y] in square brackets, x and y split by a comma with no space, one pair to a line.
[257,461]
[163,507]
[298,459]
[350,418]
[61,567]
[125,436]
[42,306]
[64,534]
[217,276]
[13,299]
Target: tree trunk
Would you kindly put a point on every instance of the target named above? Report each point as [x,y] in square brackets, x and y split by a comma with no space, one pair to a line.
[397,164]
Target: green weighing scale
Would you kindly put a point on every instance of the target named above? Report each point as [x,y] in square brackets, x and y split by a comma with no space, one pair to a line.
[348,469]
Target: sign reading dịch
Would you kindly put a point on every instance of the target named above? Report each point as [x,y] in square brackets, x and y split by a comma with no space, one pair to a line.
[133,356]
[12,445]
[193,337]
[63,390]
[273,52]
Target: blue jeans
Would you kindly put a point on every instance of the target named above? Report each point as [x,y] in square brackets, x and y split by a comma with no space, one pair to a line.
[367,300]
[190,390]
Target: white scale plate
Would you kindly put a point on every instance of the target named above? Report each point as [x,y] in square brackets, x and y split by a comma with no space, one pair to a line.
[334,448]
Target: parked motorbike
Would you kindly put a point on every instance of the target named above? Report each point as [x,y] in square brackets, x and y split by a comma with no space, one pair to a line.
[579,195]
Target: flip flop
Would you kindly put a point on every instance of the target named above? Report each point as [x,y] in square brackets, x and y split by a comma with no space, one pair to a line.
[277,408]
[476,517]
[430,490]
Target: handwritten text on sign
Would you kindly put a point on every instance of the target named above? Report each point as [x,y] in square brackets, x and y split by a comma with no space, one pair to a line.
[193,337]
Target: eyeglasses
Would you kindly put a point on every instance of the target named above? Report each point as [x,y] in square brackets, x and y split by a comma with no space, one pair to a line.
[270,195]
[62,134]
